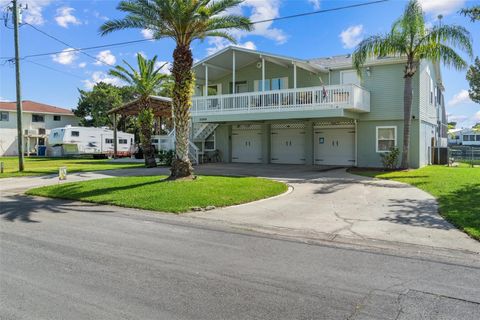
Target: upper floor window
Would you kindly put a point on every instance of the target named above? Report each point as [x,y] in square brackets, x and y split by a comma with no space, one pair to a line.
[108,140]
[4,116]
[271,84]
[75,134]
[38,118]
[386,138]
[57,118]
[123,141]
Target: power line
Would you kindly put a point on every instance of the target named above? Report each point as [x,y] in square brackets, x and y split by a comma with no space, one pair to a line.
[53,69]
[252,23]
[68,45]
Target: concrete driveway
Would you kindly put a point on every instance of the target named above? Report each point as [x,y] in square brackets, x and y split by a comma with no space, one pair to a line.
[334,203]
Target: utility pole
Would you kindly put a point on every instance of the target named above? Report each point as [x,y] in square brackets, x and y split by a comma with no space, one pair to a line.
[18,86]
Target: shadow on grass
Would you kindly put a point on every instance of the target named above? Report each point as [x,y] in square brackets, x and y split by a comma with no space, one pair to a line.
[21,208]
[73,191]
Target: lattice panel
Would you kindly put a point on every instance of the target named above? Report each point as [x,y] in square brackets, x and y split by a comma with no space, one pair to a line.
[297,125]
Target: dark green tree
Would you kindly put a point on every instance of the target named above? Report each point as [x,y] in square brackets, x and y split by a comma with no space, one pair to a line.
[93,105]
[473,78]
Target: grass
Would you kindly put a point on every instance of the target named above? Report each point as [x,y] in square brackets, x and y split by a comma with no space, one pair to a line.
[42,166]
[155,193]
[456,189]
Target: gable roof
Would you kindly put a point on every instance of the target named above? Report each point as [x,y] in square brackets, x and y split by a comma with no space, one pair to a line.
[32,106]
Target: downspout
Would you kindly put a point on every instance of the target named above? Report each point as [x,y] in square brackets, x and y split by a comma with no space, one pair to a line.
[356,143]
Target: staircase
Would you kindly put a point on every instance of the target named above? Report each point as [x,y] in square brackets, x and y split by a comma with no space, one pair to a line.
[201,131]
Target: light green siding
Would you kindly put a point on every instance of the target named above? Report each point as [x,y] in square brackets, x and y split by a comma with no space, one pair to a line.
[223,135]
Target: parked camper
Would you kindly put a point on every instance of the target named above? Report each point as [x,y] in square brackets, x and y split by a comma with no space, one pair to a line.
[98,142]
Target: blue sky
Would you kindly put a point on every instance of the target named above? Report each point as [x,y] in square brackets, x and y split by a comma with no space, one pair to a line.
[325,34]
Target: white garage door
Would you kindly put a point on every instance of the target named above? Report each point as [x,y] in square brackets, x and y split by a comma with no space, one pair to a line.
[288,146]
[247,145]
[335,147]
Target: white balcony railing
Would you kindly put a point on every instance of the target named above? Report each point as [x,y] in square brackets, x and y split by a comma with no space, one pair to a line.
[351,97]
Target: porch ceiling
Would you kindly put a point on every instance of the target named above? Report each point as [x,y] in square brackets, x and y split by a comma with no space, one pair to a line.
[220,64]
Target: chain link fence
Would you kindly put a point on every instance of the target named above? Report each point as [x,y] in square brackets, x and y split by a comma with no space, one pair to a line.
[464,154]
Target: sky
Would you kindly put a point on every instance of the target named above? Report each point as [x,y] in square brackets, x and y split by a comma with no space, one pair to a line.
[55,78]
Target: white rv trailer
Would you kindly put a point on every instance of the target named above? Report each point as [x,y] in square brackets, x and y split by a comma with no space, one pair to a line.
[70,141]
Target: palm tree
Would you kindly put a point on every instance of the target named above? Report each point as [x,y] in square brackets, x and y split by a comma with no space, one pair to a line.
[145,81]
[183,21]
[410,38]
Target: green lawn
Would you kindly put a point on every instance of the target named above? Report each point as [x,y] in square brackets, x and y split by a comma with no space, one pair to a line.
[41,166]
[155,193]
[457,191]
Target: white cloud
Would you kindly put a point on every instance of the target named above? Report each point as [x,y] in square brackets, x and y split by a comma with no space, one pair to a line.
[99,76]
[464,121]
[106,57]
[67,56]
[459,98]
[34,13]
[65,17]
[220,43]
[97,15]
[147,33]
[351,36]
[441,6]
[166,66]
[2,99]
[476,116]
[264,10]
[315,4]
[82,65]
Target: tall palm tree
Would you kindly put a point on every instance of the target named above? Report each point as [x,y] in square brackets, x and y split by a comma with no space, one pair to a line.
[409,37]
[183,21]
[145,81]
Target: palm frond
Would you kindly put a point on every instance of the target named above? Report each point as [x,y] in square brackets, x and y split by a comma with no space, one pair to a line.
[456,36]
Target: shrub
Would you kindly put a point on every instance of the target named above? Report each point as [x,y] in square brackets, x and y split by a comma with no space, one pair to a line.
[166,157]
[390,159]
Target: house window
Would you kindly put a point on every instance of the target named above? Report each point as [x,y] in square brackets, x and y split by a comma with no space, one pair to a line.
[122,141]
[75,133]
[472,137]
[210,142]
[55,134]
[42,131]
[57,118]
[478,137]
[386,138]
[38,118]
[108,140]
[271,84]
[155,141]
[4,116]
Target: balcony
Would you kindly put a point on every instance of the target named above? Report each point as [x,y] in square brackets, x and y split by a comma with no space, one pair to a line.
[345,97]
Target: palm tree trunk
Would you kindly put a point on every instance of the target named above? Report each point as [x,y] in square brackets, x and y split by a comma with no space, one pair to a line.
[182,101]
[407,118]
[145,119]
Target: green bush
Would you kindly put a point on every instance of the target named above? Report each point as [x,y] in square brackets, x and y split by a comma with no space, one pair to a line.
[390,159]
[166,157]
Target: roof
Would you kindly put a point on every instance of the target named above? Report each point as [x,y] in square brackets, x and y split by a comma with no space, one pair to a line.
[345,61]
[32,106]
[162,106]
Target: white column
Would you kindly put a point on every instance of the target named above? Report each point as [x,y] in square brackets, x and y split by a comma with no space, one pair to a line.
[295,75]
[233,71]
[263,74]
[206,81]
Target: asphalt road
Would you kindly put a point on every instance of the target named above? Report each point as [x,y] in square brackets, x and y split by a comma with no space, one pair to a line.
[66,260]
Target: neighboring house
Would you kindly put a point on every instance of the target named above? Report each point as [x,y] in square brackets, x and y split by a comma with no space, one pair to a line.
[256,107]
[37,120]
[465,137]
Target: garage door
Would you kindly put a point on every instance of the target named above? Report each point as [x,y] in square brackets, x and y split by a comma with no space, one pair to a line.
[247,144]
[288,145]
[335,146]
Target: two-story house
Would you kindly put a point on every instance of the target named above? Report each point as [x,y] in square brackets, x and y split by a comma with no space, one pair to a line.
[37,120]
[257,107]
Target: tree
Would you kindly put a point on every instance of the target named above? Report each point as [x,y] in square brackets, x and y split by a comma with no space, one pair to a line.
[411,39]
[183,21]
[145,81]
[473,78]
[451,125]
[93,105]
[473,13]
